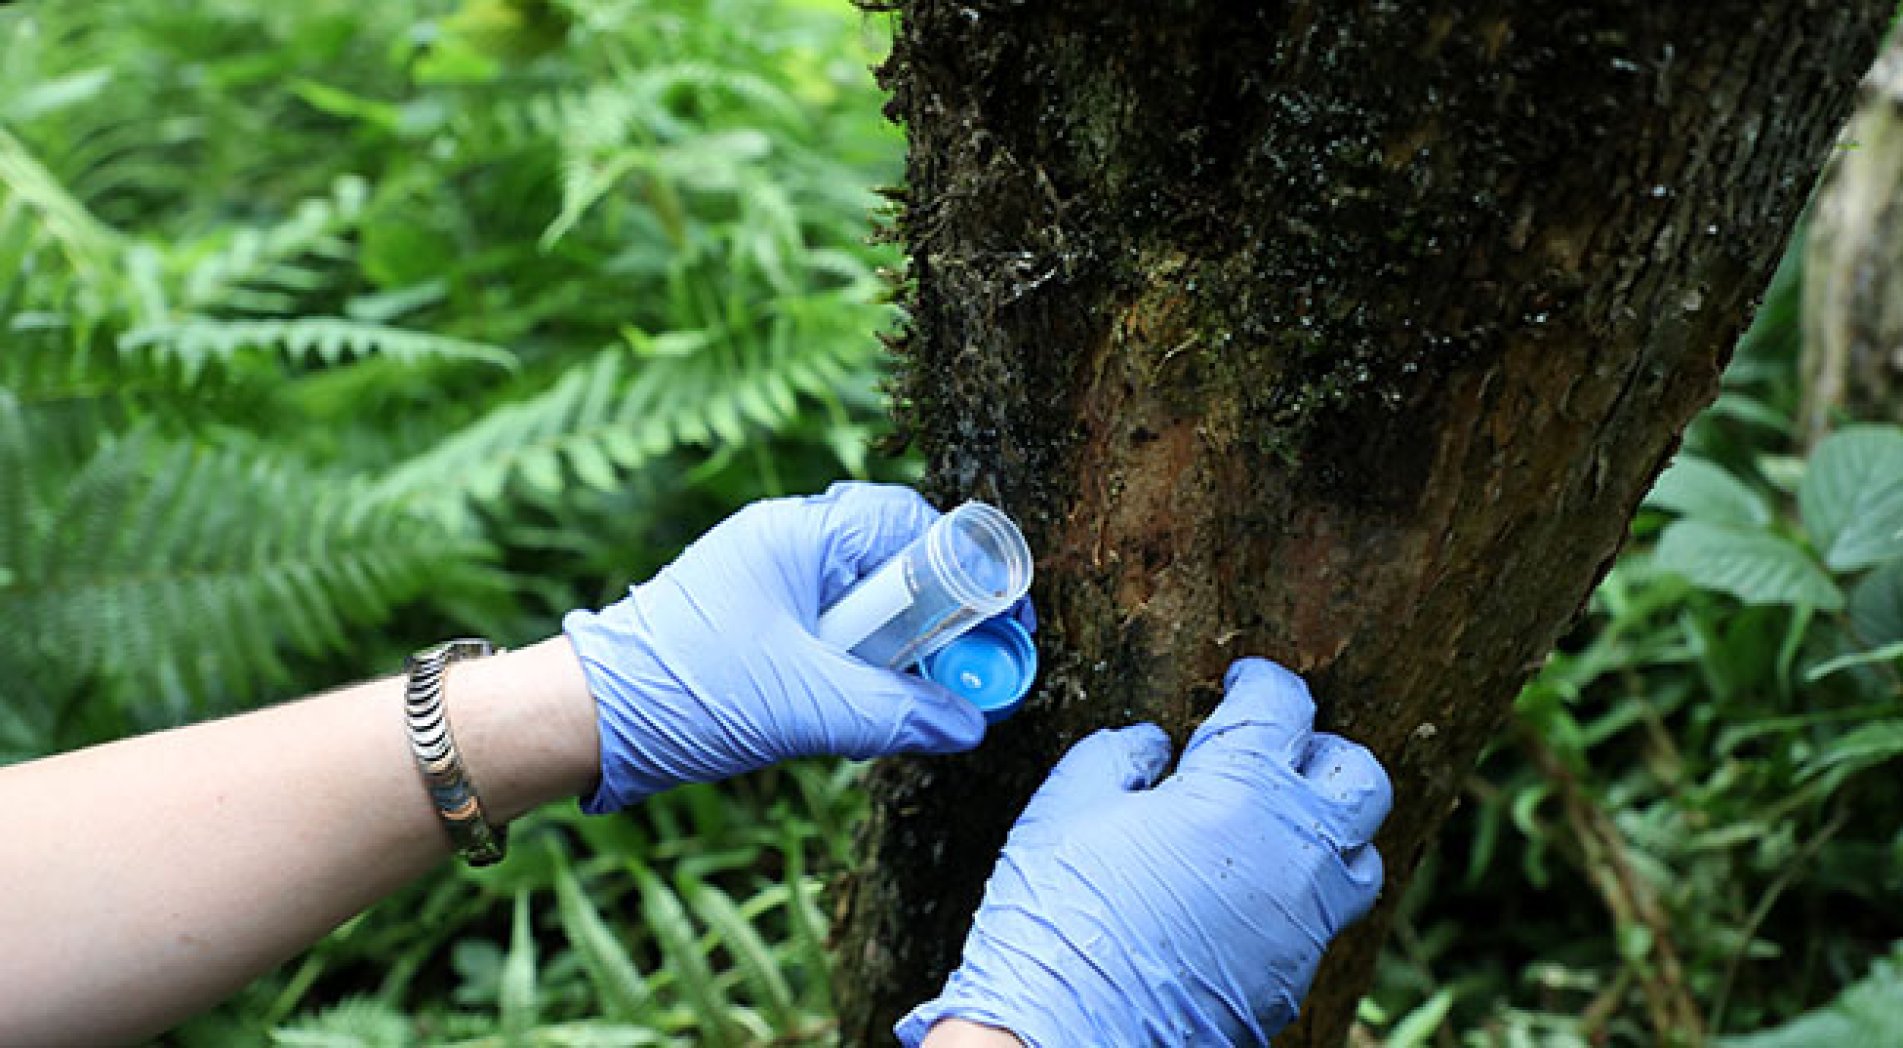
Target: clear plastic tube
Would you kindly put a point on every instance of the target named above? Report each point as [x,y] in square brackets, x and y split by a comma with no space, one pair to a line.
[971,564]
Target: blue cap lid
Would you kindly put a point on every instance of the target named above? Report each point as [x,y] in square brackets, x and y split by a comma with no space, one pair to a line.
[991,666]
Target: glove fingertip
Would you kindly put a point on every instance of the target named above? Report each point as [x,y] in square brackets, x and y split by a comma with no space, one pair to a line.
[1148,748]
[1351,781]
[1366,873]
[1025,613]
[1268,700]
[1130,757]
[1259,681]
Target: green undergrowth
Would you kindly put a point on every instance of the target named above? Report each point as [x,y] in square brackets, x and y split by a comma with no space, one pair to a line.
[1689,830]
[331,328]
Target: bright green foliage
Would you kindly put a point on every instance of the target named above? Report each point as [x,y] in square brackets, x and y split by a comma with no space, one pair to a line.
[1708,757]
[1725,539]
[321,311]
[335,328]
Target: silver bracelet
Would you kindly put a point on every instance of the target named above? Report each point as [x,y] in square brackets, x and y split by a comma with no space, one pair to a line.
[457,804]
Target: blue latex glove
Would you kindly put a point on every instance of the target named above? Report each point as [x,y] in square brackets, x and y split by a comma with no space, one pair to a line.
[1192,912]
[711,668]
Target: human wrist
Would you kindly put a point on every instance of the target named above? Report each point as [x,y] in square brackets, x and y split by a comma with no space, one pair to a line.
[1032,1003]
[963,1033]
[525,723]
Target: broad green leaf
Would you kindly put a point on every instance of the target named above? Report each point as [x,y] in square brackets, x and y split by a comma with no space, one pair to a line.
[1869,1012]
[1699,489]
[1852,497]
[1871,744]
[1876,606]
[1777,331]
[1736,405]
[1887,653]
[1754,566]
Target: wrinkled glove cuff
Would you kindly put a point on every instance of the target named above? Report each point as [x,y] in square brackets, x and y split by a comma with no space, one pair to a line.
[620,669]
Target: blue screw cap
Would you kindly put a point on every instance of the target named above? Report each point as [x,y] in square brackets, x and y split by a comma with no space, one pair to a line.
[992,666]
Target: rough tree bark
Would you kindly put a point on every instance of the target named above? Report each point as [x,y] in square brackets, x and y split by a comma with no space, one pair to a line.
[1350,335]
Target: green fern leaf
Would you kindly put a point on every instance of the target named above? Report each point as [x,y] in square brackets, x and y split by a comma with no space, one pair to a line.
[618,983]
[88,243]
[749,951]
[355,1022]
[516,996]
[667,918]
[187,572]
[197,342]
[218,269]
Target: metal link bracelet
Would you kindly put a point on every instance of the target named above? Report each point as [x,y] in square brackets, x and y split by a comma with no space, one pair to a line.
[457,804]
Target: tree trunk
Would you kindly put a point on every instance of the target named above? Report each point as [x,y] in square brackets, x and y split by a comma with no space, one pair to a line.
[1349,335]
[1853,282]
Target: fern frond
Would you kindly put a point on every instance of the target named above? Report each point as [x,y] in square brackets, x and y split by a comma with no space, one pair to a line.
[200,340]
[603,419]
[217,270]
[517,997]
[355,1022]
[762,94]
[87,243]
[585,181]
[184,573]
[637,106]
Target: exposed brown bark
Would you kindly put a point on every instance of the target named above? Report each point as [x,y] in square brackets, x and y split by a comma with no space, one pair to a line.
[1346,336]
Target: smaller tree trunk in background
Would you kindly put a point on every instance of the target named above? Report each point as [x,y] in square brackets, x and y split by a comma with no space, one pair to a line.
[1853,282]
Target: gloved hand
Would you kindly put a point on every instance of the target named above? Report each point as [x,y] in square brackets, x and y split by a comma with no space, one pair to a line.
[711,668]
[1193,912]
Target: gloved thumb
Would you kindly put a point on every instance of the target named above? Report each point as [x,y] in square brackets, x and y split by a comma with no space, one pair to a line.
[1109,762]
[900,712]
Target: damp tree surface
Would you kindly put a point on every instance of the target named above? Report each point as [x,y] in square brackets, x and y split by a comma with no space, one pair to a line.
[1348,335]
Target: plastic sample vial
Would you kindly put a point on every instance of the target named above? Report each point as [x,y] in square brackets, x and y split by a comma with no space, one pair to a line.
[970,565]
[990,667]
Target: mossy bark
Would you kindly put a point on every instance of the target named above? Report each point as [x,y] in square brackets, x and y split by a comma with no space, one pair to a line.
[1346,335]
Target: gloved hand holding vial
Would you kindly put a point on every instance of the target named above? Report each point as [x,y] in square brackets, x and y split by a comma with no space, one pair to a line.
[940,604]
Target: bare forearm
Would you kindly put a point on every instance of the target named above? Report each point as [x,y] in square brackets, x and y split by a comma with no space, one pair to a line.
[148,878]
[957,1033]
